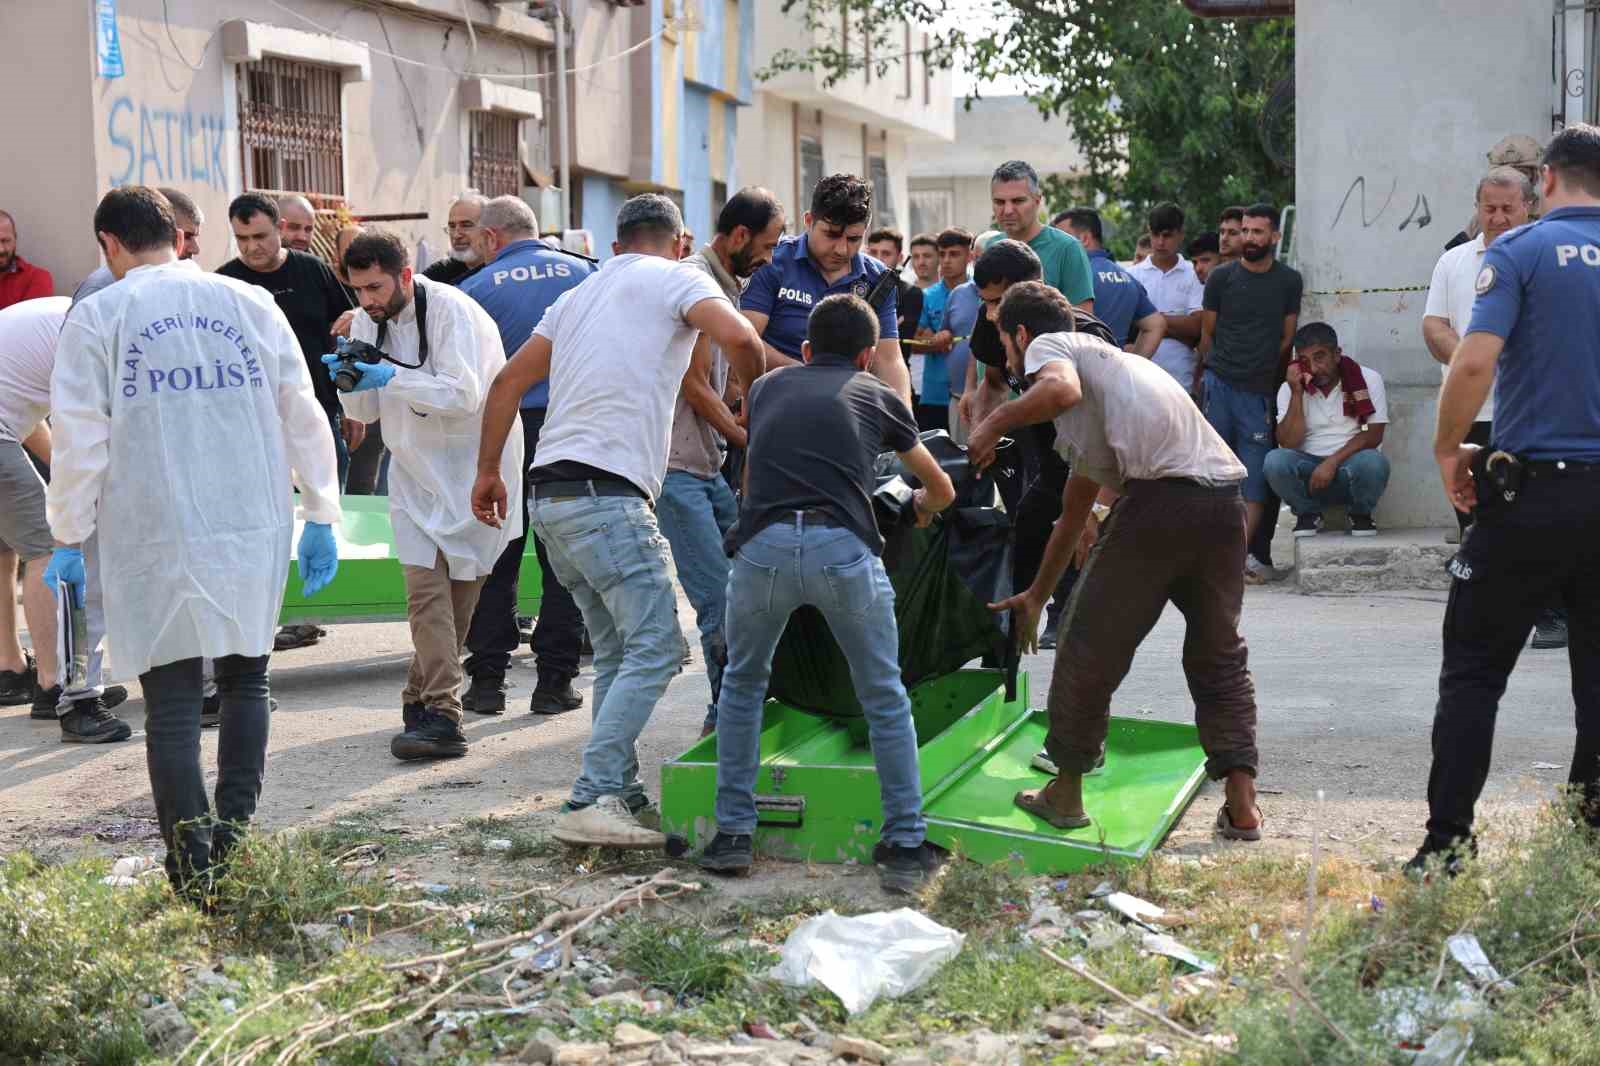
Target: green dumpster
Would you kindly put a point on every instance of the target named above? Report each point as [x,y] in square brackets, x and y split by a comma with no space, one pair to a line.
[817,790]
[369,586]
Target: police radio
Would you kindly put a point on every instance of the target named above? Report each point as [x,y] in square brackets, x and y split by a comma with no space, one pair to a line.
[887,283]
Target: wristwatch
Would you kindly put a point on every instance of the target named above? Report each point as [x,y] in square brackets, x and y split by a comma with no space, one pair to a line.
[1100,510]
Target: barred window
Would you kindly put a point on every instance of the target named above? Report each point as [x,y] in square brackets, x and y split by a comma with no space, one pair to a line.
[496,153]
[290,128]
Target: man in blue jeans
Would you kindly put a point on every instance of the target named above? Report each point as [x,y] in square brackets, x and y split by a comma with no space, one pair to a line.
[1332,414]
[615,350]
[808,536]
[697,507]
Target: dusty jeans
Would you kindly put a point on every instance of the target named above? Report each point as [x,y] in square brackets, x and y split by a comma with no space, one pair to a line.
[440,612]
[1166,541]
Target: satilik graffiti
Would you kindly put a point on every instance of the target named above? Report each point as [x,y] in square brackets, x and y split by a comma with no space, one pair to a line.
[152,145]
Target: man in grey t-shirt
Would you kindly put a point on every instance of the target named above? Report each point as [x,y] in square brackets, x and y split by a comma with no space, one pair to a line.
[1247,321]
[696,507]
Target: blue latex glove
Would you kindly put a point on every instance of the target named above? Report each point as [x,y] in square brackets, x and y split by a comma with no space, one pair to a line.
[372,377]
[66,564]
[318,558]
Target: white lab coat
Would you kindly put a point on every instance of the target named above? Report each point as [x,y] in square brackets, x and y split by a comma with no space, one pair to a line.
[179,403]
[431,419]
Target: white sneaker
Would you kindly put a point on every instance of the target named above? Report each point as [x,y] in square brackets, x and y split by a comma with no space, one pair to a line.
[605,823]
[1042,761]
[1256,572]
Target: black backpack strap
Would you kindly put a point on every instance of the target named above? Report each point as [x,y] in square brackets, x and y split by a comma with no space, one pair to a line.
[420,295]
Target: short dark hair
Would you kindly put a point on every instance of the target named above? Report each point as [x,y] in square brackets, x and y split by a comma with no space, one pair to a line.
[924,238]
[1574,154]
[1316,334]
[842,325]
[649,215]
[1037,306]
[752,207]
[1164,217]
[888,233]
[248,205]
[1006,261]
[182,204]
[841,200]
[376,247]
[1088,220]
[1016,170]
[1231,214]
[138,216]
[1206,243]
[1263,210]
[953,237]
[1059,216]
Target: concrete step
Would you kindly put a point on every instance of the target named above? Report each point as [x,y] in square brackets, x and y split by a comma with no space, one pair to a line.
[1394,560]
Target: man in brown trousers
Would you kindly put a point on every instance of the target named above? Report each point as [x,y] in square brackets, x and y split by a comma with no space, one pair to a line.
[1153,511]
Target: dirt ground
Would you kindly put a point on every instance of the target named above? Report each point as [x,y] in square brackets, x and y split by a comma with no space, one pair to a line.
[1345,685]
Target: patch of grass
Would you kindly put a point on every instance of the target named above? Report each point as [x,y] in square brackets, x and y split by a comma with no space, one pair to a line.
[76,954]
[1533,903]
[683,958]
[524,844]
[968,895]
[274,882]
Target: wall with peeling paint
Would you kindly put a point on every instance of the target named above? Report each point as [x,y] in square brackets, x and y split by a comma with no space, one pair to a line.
[1396,107]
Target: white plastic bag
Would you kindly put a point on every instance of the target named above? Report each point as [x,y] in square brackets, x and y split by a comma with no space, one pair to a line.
[888,953]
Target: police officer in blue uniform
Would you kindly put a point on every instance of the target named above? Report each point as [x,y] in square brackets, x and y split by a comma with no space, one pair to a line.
[825,260]
[520,278]
[1536,536]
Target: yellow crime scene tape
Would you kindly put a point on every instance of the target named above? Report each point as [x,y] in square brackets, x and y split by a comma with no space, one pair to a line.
[1359,292]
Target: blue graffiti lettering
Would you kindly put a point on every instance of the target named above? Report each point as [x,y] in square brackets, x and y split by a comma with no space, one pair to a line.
[188,146]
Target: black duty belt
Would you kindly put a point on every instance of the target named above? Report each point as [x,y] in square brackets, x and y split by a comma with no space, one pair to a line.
[572,490]
[1560,468]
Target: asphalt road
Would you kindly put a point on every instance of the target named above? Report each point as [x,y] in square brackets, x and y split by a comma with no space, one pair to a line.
[1346,687]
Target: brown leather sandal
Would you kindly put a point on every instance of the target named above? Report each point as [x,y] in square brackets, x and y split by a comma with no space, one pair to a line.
[1032,800]
[1228,831]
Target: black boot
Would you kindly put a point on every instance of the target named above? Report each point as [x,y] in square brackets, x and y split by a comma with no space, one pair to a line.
[90,723]
[45,701]
[1550,631]
[433,737]
[17,686]
[486,695]
[411,715]
[555,697]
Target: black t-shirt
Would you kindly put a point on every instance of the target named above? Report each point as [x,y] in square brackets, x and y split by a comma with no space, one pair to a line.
[312,299]
[1250,308]
[908,306]
[815,433]
[449,271]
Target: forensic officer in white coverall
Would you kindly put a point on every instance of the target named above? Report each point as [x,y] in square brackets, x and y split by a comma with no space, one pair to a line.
[180,404]
[442,352]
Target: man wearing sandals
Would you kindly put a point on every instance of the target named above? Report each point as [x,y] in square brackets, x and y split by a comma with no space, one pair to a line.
[1147,465]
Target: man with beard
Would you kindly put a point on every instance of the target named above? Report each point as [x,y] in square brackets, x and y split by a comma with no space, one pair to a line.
[462,228]
[297,220]
[1248,319]
[19,279]
[443,352]
[696,507]
[521,278]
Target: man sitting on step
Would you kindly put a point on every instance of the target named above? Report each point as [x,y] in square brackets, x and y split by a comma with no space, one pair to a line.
[1332,413]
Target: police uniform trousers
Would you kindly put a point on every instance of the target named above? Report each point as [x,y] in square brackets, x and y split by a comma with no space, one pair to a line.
[1515,559]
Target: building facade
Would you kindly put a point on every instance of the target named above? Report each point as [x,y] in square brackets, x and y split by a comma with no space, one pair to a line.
[1394,122]
[799,128]
[949,184]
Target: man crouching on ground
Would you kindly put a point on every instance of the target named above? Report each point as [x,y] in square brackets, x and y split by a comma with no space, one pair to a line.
[1168,526]
[615,350]
[807,535]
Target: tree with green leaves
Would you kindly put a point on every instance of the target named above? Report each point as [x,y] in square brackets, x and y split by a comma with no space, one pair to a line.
[1163,105]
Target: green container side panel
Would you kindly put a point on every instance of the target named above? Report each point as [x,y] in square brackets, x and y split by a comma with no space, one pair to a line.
[369,585]
[817,789]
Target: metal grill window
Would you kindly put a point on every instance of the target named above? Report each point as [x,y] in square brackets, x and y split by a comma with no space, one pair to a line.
[496,162]
[290,127]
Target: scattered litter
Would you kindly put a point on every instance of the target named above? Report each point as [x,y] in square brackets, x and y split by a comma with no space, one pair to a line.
[1447,1047]
[859,959]
[1048,914]
[1405,1007]
[433,888]
[1161,944]
[1140,912]
[1377,904]
[761,1031]
[1101,890]
[498,844]
[1547,766]
[1255,931]
[126,871]
[447,786]
[1466,950]
[1106,935]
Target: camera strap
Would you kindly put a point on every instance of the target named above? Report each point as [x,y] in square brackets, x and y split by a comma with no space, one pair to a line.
[420,297]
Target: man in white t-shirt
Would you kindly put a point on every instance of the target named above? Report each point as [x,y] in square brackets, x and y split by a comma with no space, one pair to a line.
[1503,201]
[615,350]
[1332,413]
[1173,286]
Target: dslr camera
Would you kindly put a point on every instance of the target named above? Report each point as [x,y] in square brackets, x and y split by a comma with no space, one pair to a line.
[351,354]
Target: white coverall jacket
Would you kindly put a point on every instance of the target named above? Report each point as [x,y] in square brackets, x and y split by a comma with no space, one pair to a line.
[431,419]
[179,403]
